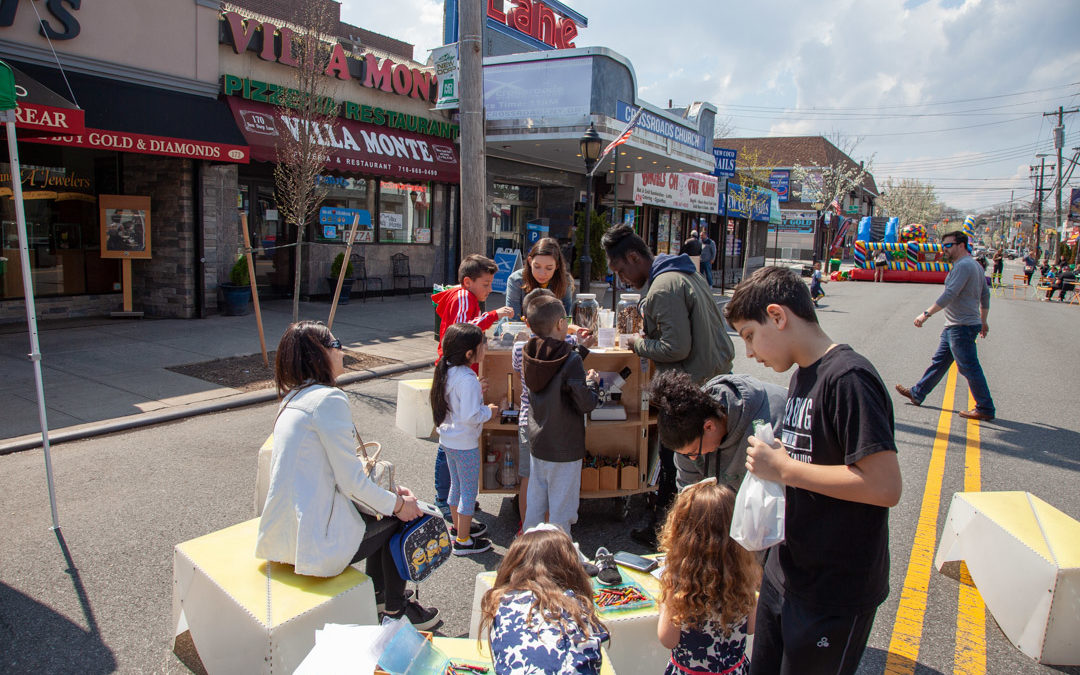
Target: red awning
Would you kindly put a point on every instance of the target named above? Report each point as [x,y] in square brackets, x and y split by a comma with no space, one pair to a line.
[42,110]
[354,147]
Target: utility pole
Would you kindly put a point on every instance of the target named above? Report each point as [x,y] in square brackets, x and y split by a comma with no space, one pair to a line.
[1059,141]
[1040,181]
[473,159]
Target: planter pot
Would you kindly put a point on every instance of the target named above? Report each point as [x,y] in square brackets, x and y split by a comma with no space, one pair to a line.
[346,289]
[237,299]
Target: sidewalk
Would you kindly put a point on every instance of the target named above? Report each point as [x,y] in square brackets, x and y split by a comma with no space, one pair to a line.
[112,371]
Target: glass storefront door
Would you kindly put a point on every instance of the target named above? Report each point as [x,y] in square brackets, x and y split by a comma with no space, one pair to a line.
[269,239]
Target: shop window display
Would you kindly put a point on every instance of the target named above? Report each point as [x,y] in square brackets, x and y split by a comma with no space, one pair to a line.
[404,213]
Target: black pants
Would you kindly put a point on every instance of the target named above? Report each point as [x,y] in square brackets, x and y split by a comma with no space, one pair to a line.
[791,639]
[375,549]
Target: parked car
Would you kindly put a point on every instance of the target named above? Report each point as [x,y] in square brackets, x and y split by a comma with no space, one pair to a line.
[1010,253]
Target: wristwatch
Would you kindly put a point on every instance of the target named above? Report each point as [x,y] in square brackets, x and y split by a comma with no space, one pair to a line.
[926,314]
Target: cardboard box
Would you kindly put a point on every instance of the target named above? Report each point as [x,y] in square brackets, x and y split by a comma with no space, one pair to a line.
[590,480]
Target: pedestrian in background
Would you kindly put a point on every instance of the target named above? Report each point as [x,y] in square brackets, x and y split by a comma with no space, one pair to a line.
[692,247]
[966,302]
[881,263]
[999,267]
[708,255]
[1029,267]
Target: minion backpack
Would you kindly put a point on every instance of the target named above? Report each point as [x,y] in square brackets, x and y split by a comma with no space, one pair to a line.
[419,547]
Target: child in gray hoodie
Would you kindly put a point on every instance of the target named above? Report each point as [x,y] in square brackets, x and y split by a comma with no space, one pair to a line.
[708,426]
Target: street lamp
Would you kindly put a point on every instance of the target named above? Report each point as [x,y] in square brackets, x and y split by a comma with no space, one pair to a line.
[590,152]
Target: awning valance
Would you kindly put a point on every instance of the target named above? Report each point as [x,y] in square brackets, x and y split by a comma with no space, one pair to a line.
[354,147]
[42,110]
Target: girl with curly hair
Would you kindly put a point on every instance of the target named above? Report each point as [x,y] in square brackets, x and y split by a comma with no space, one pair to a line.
[540,610]
[707,602]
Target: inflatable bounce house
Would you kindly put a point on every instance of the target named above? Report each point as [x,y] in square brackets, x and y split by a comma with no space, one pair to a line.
[911,258]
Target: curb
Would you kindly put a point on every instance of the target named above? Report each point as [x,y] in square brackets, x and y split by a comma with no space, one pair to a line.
[32,441]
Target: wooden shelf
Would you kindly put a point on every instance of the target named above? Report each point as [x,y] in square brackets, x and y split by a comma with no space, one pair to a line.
[499,426]
[631,421]
[604,494]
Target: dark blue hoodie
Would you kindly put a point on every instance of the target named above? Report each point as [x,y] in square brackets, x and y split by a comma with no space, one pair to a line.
[666,262]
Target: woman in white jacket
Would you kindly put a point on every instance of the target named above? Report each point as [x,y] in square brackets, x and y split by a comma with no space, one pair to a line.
[310,520]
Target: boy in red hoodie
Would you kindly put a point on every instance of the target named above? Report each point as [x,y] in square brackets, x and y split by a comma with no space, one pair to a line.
[461,304]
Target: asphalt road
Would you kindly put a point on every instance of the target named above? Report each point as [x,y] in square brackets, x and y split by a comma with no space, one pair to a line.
[98,597]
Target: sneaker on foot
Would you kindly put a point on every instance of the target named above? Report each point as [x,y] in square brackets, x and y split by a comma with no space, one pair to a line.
[473,546]
[607,571]
[475,529]
[380,600]
[444,509]
[419,616]
[906,393]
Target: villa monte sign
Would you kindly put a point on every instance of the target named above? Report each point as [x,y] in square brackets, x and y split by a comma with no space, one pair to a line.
[273,43]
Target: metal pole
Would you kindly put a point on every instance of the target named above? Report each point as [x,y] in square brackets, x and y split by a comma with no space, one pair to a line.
[586,259]
[473,159]
[31,311]
[1038,207]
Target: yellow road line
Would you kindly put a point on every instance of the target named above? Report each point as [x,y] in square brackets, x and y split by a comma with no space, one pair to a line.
[970,655]
[907,628]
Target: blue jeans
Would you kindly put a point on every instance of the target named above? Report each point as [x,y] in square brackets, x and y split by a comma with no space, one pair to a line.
[957,343]
[706,269]
[442,477]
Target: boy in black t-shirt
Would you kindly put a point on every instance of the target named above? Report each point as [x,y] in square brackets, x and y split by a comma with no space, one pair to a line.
[837,458]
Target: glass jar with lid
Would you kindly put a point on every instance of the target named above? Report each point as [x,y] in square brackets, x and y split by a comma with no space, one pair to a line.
[586,312]
[628,318]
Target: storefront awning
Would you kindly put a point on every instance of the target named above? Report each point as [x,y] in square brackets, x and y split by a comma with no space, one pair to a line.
[354,147]
[128,117]
[42,111]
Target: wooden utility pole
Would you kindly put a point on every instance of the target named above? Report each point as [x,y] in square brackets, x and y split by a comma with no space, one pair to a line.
[473,162]
[1059,141]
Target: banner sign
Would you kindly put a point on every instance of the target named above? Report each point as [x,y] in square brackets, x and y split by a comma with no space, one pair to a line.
[725,162]
[145,144]
[686,191]
[662,127]
[332,215]
[774,208]
[801,222]
[781,182]
[743,202]
[1074,205]
[447,76]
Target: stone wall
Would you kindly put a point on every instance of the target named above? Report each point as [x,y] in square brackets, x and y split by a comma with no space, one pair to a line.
[63,307]
[164,286]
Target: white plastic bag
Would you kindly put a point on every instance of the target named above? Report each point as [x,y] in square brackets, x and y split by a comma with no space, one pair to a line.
[758,521]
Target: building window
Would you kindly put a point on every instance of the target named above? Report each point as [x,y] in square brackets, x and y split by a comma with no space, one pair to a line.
[404,213]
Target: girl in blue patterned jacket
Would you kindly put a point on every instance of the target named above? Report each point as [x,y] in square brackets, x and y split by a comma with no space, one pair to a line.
[540,611]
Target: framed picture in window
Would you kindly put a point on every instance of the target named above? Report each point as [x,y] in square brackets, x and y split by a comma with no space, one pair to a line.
[125,226]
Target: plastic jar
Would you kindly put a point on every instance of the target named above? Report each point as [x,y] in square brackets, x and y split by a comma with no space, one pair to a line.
[586,312]
[628,318]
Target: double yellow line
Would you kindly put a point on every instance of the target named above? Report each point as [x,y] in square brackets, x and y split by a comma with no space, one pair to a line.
[969,657]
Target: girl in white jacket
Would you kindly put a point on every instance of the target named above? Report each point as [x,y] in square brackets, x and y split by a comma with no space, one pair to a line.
[457,402]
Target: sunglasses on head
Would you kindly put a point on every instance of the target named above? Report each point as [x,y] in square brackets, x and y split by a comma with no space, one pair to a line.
[335,344]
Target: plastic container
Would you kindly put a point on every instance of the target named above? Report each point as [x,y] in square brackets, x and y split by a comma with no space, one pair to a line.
[586,312]
[508,475]
[491,469]
[628,318]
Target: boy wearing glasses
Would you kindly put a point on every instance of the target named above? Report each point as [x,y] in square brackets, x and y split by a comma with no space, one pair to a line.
[966,302]
[708,427]
[837,459]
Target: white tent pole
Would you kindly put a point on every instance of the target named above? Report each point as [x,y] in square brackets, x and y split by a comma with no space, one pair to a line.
[28,294]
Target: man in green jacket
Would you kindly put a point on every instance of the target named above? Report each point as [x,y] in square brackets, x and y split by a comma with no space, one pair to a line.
[684,329]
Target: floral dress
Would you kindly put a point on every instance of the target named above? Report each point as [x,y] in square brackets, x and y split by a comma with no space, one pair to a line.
[706,650]
[538,646]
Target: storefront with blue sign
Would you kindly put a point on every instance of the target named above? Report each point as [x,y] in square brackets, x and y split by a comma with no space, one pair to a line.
[746,212]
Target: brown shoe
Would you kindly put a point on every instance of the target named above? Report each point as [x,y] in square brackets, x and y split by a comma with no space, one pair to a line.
[974,414]
[906,393]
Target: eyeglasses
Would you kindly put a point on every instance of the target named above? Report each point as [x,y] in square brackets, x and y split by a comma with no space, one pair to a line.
[697,453]
[334,344]
[948,246]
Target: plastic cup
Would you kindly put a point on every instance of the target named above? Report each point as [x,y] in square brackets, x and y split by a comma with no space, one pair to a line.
[605,338]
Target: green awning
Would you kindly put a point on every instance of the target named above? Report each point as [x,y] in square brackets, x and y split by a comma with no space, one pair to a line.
[7,87]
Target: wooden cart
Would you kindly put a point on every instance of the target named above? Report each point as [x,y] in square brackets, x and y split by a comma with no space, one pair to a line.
[627,438]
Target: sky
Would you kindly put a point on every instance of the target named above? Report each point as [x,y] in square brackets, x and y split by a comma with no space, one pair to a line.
[948,92]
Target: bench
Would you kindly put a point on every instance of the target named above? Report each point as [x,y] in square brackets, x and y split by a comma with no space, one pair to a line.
[1023,556]
[247,615]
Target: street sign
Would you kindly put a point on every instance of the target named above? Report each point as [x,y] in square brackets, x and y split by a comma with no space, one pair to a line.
[852,210]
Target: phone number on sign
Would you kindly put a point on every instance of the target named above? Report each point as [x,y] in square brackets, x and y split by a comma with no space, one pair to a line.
[405,170]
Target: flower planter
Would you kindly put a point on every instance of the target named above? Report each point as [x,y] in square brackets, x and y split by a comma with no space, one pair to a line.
[346,289]
[237,299]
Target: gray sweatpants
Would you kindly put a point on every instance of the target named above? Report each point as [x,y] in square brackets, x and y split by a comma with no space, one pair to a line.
[555,489]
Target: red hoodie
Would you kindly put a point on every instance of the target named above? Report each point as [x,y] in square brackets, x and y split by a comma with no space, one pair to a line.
[457,305]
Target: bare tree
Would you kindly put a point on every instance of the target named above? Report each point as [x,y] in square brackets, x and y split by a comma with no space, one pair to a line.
[722,128]
[310,118]
[910,200]
[752,171]
[828,184]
